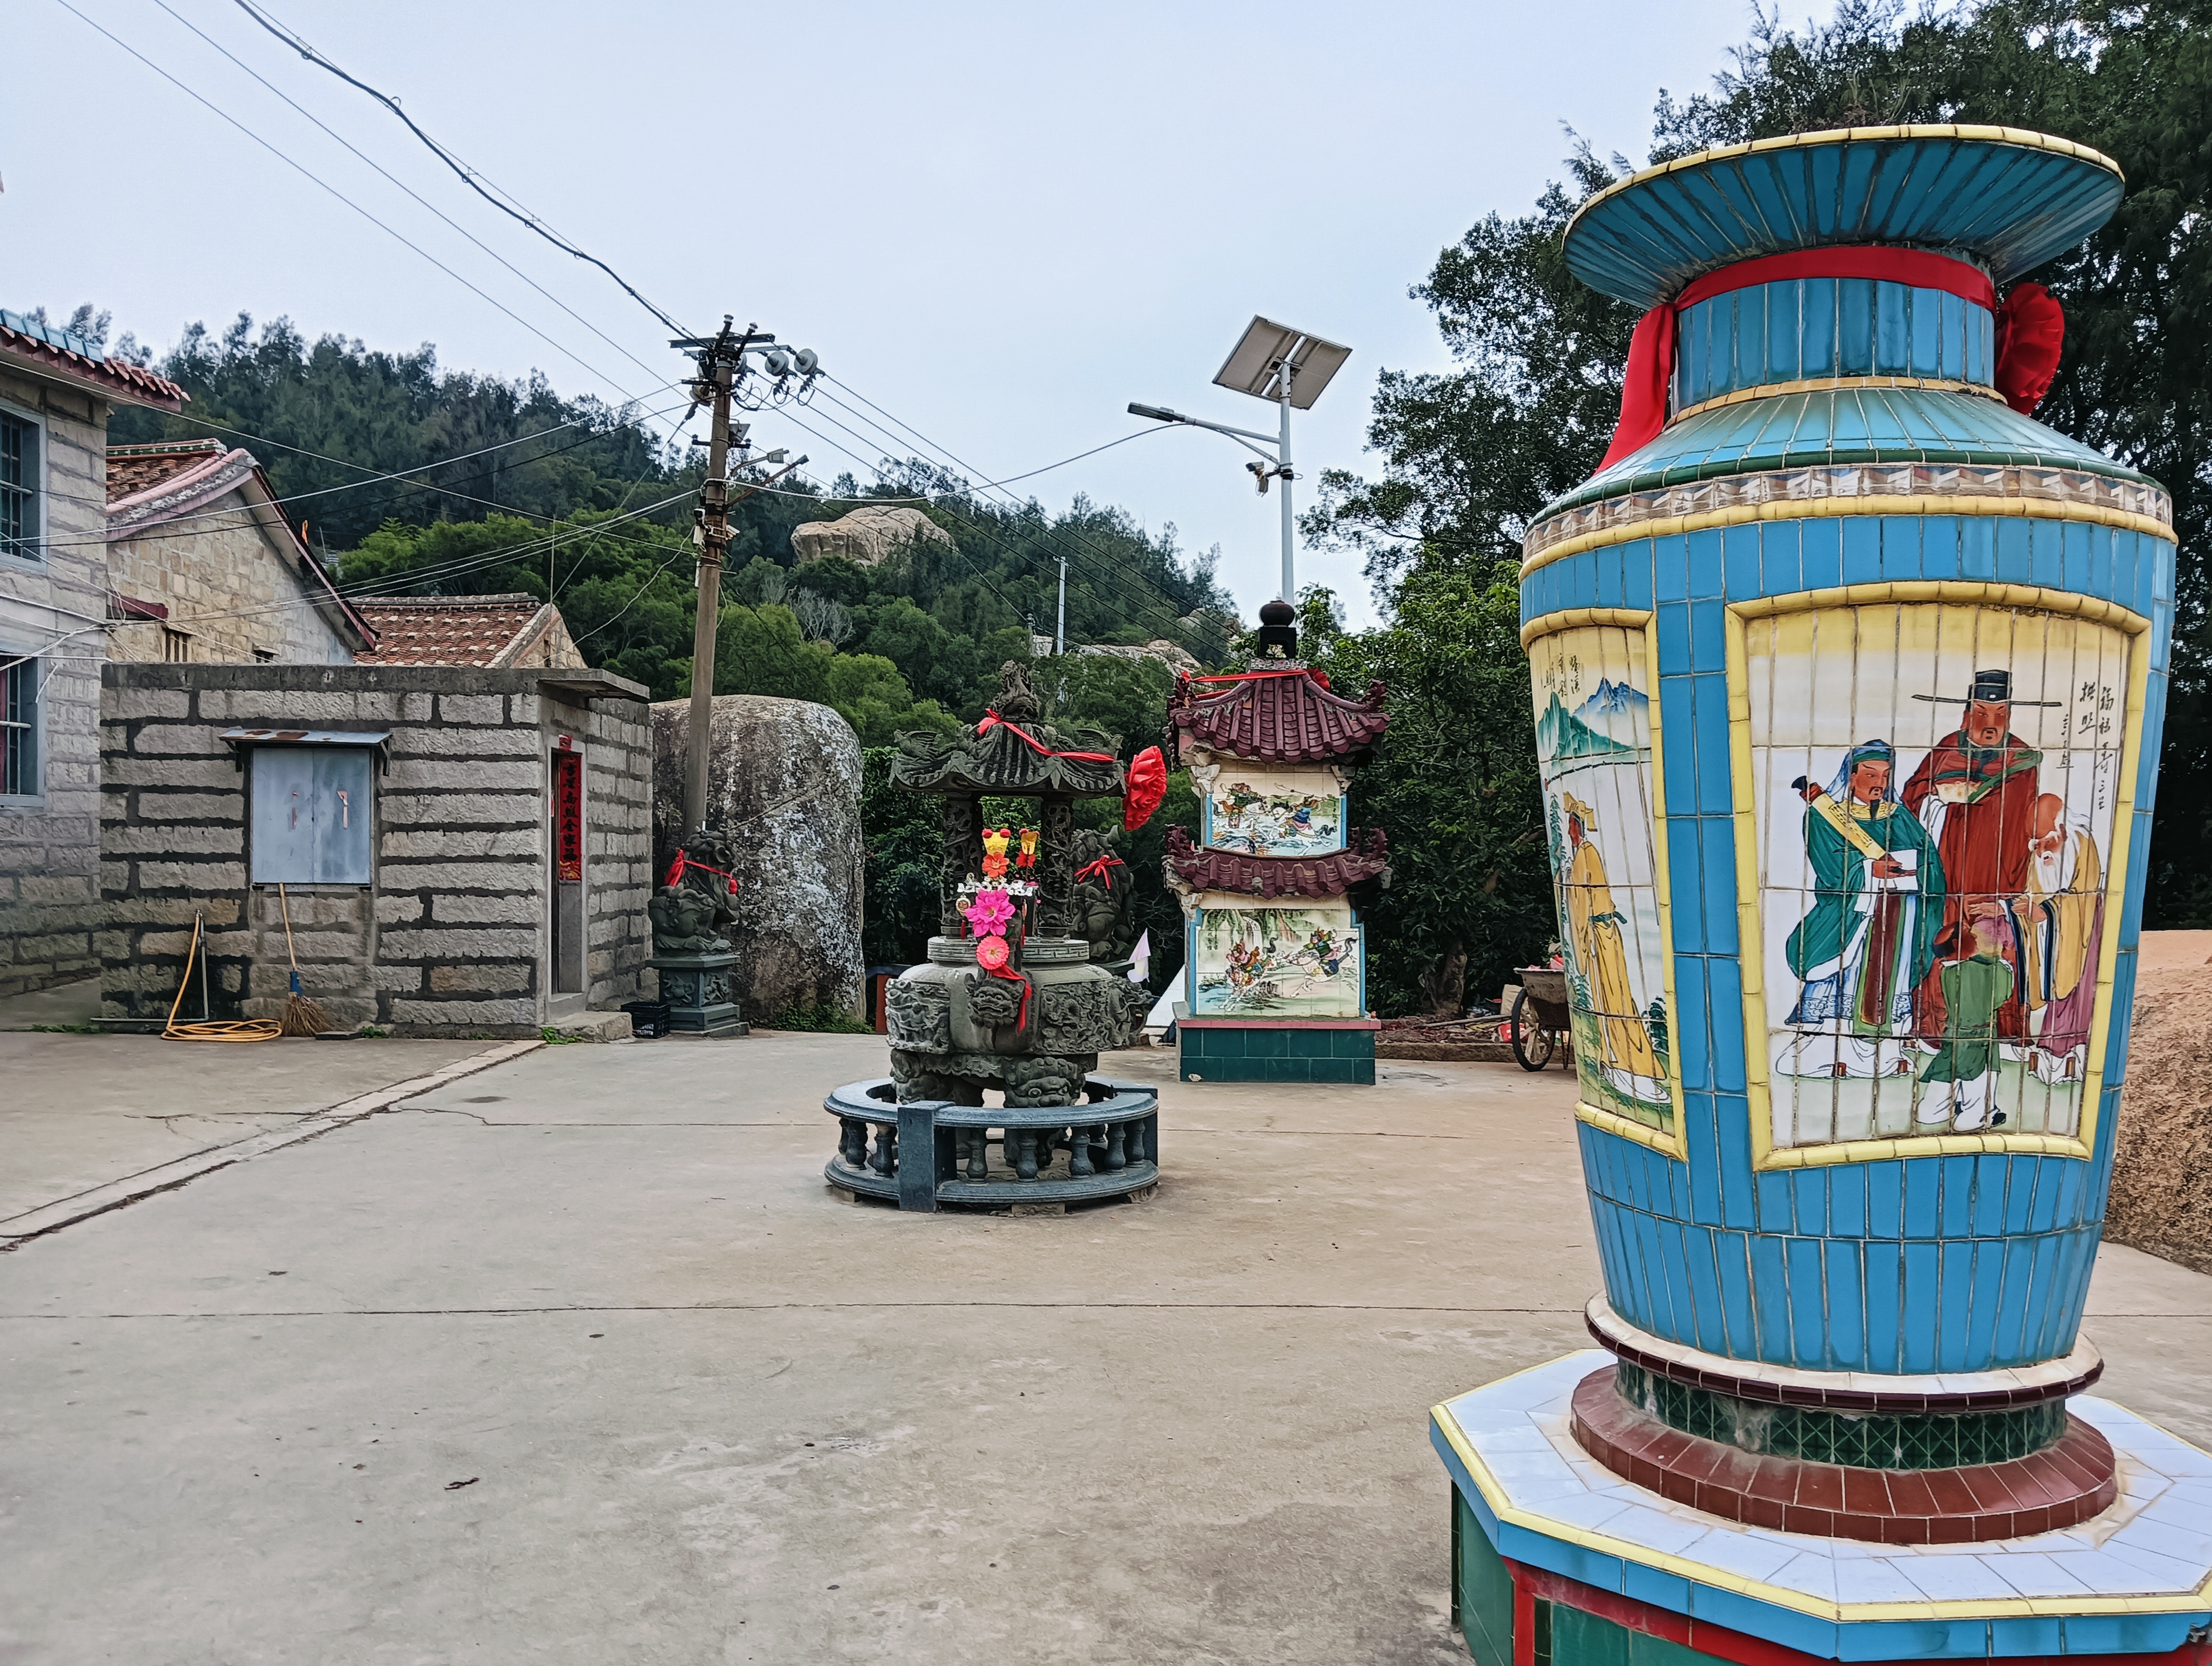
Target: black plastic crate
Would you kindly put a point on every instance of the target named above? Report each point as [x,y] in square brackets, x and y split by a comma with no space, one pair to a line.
[648,1019]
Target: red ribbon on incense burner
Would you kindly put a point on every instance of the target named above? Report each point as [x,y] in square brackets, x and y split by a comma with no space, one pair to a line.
[2031,328]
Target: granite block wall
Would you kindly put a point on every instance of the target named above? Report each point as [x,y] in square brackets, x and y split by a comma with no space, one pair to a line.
[53,604]
[224,580]
[453,935]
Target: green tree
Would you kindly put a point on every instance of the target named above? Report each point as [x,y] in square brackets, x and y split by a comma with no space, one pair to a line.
[1470,456]
[1453,786]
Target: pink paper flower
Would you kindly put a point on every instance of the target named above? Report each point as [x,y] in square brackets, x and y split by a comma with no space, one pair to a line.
[988,913]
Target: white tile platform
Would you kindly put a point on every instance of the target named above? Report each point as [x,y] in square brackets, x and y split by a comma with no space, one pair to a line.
[2150,1555]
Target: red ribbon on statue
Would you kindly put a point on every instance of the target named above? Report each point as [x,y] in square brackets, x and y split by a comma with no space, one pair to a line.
[676,871]
[2028,331]
[1097,868]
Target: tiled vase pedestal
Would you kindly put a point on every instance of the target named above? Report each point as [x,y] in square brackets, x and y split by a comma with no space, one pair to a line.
[1538,1520]
[1849,682]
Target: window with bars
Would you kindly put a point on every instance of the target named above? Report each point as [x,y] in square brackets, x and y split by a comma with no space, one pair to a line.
[19,487]
[176,646]
[19,729]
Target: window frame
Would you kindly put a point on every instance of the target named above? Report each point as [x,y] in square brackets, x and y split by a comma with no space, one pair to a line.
[27,549]
[28,673]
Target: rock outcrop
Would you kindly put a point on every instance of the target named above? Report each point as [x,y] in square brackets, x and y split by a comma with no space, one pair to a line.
[783,785]
[868,535]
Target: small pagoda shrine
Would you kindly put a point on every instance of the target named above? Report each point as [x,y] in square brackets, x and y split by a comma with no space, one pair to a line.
[1025,984]
[1275,980]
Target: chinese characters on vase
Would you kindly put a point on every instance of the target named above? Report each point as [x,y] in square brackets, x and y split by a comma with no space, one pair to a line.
[1594,752]
[1936,790]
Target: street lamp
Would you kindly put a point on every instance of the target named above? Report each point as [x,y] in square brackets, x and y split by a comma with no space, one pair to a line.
[1287,367]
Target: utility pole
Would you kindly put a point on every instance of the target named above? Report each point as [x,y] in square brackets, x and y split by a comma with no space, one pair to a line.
[721,361]
[1060,636]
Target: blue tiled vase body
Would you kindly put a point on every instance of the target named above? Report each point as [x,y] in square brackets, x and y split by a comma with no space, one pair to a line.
[1836,483]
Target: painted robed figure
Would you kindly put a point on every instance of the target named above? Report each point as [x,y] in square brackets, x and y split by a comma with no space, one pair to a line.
[1976,793]
[1601,958]
[1870,940]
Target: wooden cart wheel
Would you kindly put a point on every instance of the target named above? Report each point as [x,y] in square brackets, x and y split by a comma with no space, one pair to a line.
[1532,1046]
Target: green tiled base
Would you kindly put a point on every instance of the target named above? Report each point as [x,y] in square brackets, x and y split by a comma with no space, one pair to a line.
[1209,1055]
[1482,1603]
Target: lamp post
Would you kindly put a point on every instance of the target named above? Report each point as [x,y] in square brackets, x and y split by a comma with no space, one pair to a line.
[1287,367]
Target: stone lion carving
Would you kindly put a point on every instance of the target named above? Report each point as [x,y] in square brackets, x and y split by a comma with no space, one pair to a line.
[688,916]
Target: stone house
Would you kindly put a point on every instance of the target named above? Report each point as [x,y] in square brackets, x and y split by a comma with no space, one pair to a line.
[462,851]
[204,566]
[56,392]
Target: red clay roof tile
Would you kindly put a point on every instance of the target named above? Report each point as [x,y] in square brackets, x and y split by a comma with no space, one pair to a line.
[1284,717]
[444,630]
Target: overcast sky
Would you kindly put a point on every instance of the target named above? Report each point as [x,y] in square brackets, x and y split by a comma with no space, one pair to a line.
[999,222]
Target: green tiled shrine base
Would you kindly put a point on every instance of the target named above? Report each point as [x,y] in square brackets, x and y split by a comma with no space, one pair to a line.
[1862,1440]
[1483,1593]
[1227,1054]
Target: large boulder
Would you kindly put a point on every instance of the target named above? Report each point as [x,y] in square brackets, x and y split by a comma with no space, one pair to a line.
[783,783]
[868,535]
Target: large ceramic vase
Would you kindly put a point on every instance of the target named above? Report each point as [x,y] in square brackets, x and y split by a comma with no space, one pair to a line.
[1848,678]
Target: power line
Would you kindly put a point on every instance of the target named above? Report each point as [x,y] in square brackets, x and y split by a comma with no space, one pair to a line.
[1127,568]
[375,478]
[450,160]
[403,185]
[1114,562]
[436,573]
[308,173]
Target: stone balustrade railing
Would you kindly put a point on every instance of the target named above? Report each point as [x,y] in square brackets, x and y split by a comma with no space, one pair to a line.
[930,1153]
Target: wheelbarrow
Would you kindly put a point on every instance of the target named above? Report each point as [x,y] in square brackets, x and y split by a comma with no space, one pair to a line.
[1541,1024]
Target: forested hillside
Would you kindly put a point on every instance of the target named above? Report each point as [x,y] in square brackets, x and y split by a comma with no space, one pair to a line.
[579,503]
[591,511]
[1467,457]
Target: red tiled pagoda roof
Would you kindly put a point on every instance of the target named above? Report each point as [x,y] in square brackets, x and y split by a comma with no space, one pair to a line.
[1283,718]
[1203,868]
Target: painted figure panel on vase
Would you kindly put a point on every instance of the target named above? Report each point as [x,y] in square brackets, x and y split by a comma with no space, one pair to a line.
[1594,747]
[1251,959]
[1270,814]
[1936,790]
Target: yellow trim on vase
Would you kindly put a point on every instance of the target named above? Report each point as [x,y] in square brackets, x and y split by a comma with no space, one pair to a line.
[1829,384]
[1751,948]
[2024,138]
[1573,618]
[1817,509]
[1496,1499]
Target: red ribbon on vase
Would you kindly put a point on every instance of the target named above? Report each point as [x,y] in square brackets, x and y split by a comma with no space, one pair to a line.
[676,871]
[2030,326]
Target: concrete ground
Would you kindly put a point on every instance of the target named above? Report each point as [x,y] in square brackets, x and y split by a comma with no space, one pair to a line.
[577,1359]
[78,1112]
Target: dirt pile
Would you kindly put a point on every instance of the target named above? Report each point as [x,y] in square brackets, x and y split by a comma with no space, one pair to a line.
[2162,1198]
